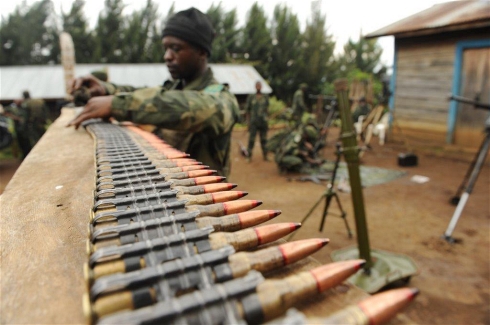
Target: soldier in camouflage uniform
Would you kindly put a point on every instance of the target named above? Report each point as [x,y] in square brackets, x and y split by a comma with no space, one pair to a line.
[19,115]
[196,115]
[257,109]
[362,109]
[37,118]
[297,152]
[299,105]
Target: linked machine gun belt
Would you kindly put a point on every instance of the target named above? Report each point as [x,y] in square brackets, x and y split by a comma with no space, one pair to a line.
[171,243]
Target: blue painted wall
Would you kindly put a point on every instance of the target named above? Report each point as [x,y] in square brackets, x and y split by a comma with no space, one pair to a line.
[458,65]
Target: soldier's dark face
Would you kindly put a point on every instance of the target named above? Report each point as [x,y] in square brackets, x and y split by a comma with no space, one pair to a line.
[184,61]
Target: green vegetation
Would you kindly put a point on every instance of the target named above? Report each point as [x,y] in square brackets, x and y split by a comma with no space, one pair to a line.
[276,46]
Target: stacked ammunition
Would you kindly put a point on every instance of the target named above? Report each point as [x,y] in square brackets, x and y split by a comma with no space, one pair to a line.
[169,242]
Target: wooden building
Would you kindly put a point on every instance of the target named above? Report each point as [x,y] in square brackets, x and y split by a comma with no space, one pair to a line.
[439,52]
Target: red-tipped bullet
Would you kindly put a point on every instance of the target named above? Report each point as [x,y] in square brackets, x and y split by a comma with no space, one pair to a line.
[184,161]
[271,258]
[204,189]
[192,167]
[377,309]
[227,196]
[237,221]
[208,180]
[176,154]
[274,297]
[270,233]
[221,209]
[212,188]
[383,306]
[252,237]
[212,198]
[240,206]
[252,218]
[330,275]
[199,173]
[297,250]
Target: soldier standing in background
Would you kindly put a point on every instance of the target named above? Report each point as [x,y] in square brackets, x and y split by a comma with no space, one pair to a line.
[36,113]
[19,116]
[299,103]
[196,115]
[257,110]
[361,109]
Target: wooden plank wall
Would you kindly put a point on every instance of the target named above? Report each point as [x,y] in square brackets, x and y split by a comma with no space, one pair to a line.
[423,84]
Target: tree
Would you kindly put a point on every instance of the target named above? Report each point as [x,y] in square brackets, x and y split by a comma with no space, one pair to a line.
[138,36]
[256,40]
[363,55]
[284,68]
[14,49]
[110,33]
[76,25]
[225,41]
[29,35]
[317,53]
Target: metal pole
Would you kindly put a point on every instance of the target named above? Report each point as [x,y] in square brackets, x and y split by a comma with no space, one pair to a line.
[474,175]
[351,154]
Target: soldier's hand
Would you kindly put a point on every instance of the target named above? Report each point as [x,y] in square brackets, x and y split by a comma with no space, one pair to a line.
[97,107]
[93,84]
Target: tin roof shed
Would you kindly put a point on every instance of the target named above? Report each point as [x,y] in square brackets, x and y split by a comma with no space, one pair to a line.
[48,81]
[443,17]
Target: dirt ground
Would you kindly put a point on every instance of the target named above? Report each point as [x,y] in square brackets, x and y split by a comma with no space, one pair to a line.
[403,217]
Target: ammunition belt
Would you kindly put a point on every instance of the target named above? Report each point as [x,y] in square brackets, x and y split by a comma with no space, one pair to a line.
[168,245]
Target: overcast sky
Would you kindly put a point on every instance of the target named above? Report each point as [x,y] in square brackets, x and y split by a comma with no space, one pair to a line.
[345,18]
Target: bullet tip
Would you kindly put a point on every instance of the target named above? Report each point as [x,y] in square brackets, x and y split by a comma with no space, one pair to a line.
[274,213]
[325,241]
[297,225]
[257,203]
[232,185]
[415,292]
[242,193]
[361,264]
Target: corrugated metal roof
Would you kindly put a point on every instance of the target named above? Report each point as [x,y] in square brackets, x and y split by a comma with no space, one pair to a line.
[48,81]
[455,15]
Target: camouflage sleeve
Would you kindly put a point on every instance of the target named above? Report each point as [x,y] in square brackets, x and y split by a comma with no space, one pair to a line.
[248,104]
[112,89]
[211,112]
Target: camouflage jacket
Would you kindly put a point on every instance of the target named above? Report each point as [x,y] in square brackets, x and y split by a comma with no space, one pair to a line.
[299,106]
[258,108]
[201,115]
[20,114]
[37,113]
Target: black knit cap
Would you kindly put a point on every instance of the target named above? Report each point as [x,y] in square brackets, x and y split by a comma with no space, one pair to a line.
[192,26]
